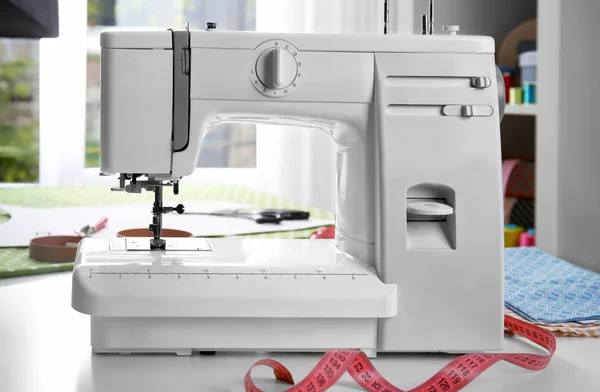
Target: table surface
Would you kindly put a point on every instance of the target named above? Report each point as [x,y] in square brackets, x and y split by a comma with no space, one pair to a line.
[16,261]
[44,346]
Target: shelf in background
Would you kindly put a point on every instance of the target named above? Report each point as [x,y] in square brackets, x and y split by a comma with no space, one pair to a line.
[521,110]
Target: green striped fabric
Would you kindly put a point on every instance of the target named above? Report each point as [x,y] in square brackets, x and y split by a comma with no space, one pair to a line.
[16,261]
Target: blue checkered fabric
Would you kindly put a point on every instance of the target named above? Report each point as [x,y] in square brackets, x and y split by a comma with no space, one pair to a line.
[542,288]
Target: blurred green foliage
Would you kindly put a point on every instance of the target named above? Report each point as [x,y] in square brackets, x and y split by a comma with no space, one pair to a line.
[12,70]
[101,12]
[92,153]
[19,157]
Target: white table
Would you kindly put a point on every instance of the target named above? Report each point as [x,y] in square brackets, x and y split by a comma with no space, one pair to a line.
[44,346]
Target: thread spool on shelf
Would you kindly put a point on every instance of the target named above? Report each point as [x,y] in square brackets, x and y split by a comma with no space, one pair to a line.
[515,96]
[527,238]
[512,234]
[529,93]
[507,75]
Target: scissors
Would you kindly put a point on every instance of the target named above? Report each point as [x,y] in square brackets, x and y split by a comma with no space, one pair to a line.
[273,216]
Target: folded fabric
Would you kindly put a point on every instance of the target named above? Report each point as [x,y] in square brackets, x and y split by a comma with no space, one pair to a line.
[574,329]
[544,289]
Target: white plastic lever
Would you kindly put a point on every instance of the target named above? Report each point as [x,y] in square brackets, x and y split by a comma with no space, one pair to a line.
[467,110]
[430,208]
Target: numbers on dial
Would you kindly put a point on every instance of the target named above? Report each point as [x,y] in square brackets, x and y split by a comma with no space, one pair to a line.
[275,71]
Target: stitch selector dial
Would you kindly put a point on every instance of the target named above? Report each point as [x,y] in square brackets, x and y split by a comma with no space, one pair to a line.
[276,70]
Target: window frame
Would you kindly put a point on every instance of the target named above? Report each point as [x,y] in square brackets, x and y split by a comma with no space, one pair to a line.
[62,130]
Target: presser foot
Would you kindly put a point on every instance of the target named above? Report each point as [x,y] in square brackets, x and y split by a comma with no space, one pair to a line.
[158,243]
[152,184]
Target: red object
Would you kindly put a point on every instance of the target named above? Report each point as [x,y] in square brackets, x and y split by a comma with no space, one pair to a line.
[322,233]
[508,83]
[100,224]
[521,182]
[453,377]
[93,228]
[526,239]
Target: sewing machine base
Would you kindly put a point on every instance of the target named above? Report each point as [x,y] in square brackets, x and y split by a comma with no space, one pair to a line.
[183,336]
[265,295]
[228,295]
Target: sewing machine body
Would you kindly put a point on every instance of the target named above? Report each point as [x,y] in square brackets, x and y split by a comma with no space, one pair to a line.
[417,260]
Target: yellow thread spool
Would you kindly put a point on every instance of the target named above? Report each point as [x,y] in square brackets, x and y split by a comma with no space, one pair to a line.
[515,96]
[512,235]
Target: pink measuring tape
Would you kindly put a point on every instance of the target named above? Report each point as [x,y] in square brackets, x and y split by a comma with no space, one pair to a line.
[453,377]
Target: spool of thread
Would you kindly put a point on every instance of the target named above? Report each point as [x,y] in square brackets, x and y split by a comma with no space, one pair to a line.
[529,93]
[508,83]
[516,96]
[512,235]
[527,238]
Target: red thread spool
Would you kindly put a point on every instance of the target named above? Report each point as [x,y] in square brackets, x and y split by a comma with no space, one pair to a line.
[508,83]
[527,238]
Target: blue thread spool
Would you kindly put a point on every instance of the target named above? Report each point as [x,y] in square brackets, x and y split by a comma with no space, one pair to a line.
[529,93]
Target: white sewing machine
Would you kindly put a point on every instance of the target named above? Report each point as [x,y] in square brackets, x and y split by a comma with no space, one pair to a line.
[417,263]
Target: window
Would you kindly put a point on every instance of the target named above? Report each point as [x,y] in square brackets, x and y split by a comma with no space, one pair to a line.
[19,113]
[232,145]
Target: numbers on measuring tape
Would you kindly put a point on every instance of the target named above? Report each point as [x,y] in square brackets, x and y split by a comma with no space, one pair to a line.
[341,357]
[452,378]
[329,371]
[443,384]
[334,363]
[321,380]
[462,368]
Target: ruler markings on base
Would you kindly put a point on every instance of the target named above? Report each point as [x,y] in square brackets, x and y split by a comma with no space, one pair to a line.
[257,274]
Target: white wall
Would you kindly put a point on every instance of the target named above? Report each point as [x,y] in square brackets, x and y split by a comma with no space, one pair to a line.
[569,130]
[549,49]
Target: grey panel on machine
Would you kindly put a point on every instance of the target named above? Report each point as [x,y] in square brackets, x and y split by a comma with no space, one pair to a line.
[501,93]
[181,89]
